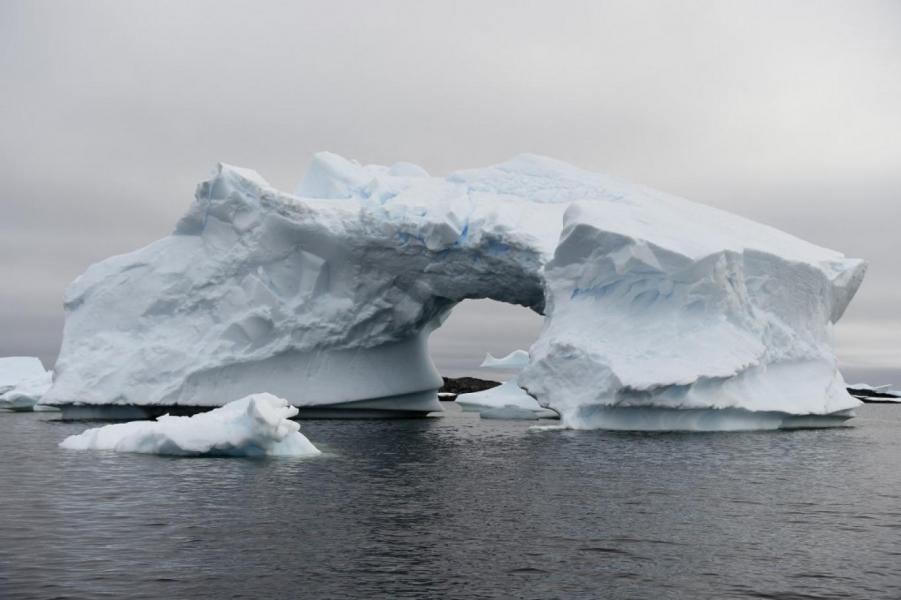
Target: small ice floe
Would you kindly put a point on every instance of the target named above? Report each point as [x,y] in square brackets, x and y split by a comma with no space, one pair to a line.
[501,399]
[518,359]
[257,425]
[23,382]
[508,400]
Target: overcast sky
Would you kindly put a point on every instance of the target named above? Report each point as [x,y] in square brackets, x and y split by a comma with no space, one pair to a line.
[785,112]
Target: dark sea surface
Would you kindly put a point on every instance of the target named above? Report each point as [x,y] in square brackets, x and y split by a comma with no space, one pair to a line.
[458,507]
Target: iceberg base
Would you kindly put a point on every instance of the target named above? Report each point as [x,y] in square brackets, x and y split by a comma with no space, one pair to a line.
[648,418]
[124,412]
[417,404]
[406,406]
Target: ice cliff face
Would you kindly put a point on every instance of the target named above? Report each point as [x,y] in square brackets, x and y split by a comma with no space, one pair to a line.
[688,308]
[327,297]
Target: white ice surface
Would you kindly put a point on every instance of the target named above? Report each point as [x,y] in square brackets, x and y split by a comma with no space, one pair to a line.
[258,425]
[518,359]
[508,394]
[328,296]
[508,400]
[23,381]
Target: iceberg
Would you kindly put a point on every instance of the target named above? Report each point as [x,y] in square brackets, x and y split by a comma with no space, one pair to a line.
[508,395]
[258,425]
[508,400]
[23,382]
[518,359]
[327,297]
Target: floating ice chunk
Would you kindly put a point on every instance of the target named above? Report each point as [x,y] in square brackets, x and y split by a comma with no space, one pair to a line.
[20,401]
[508,400]
[258,425]
[518,359]
[505,396]
[23,382]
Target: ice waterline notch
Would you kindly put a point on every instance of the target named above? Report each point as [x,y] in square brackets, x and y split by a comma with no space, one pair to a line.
[326,297]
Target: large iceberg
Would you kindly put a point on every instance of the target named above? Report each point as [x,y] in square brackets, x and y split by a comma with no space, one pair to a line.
[327,297]
[258,425]
[23,382]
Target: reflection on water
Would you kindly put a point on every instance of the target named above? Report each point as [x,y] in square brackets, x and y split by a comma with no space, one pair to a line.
[456,507]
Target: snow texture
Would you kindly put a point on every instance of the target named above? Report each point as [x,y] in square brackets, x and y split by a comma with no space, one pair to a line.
[258,425]
[23,382]
[328,296]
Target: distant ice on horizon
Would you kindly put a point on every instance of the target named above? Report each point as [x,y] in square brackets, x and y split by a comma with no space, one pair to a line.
[23,382]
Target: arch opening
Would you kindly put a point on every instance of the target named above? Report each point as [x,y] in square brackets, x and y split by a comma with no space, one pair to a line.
[477,327]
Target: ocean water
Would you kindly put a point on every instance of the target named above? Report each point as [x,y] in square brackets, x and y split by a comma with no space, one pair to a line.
[457,507]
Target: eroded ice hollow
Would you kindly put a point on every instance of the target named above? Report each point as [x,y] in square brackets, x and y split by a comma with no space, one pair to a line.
[658,310]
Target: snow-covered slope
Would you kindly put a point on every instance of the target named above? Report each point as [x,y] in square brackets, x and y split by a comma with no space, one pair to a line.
[327,297]
[23,381]
[258,425]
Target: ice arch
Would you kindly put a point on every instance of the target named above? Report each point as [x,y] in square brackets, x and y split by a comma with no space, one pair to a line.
[326,297]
